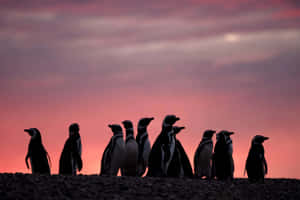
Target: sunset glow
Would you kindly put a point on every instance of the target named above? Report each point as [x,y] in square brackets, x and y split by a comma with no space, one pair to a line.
[231,37]
[217,65]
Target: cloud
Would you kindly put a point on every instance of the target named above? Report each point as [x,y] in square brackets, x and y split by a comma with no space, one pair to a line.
[92,50]
[219,64]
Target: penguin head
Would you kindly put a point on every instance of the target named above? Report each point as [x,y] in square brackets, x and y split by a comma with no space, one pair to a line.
[128,127]
[33,132]
[74,130]
[221,137]
[170,120]
[259,139]
[177,129]
[144,122]
[226,134]
[115,128]
[127,124]
[208,134]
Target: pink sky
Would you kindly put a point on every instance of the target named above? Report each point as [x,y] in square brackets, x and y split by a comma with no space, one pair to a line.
[216,65]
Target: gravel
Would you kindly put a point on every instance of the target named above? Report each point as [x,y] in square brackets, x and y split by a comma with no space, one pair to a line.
[27,186]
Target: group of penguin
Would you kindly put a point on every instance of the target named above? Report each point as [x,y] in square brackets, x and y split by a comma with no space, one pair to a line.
[70,159]
[166,158]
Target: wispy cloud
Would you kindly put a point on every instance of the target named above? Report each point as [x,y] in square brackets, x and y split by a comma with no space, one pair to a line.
[226,64]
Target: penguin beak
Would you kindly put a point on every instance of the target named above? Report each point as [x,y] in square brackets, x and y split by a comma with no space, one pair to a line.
[181,128]
[28,131]
[213,132]
[266,138]
[152,118]
[110,126]
[231,133]
[177,118]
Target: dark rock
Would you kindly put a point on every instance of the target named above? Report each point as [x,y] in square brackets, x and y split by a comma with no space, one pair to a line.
[26,186]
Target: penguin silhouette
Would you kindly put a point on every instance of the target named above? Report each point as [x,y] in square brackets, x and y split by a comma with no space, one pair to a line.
[180,165]
[256,164]
[203,156]
[144,146]
[163,149]
[113,155]
[37,153]
[131,152]
[223,164]
[70,159]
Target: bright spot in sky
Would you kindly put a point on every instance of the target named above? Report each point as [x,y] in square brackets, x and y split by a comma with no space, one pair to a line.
[231,37]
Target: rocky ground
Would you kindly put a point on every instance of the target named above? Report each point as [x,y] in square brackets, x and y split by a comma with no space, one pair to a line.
[25,186]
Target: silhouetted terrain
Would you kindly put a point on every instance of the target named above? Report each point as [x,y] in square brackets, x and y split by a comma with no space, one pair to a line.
[25,186]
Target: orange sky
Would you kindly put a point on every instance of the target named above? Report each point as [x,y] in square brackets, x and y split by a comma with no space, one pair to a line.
[197,114]
[217,65]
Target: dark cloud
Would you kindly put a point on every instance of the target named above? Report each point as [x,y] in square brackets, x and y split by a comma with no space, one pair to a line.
[89,46]
[154,8]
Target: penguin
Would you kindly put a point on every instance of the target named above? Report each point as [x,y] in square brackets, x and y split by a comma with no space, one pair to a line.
[37,153]
[113,155]
[256,164]
[203,156]
[131,156]
[70,160]
[74,130]
[144,146]
[229,143]
[163,149]
[223,164]
[180,165]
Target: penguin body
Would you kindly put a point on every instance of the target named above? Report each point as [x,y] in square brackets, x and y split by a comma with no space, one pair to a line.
[230,151]
[256,164]
[163,149]
[37,153]
[222,157]
[203,156]
[113,155]
[144,146]
[131,153]
[70,159]
[74,130]
[180,165]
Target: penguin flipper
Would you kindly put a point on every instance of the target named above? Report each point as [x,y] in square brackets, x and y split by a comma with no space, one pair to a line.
[199,149]
[104,162]
[154,162]
[188,171]
[29,153]
[49,160]
[26,161]
[106,158]
[265,165]
[246,166]
[213,166]
[196,167]
[141,144]
[79,163]
[76,155]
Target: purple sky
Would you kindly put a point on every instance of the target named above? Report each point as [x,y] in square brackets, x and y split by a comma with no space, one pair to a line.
[224,65]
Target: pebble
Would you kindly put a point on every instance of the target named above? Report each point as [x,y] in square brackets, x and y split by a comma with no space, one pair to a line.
[26,186]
